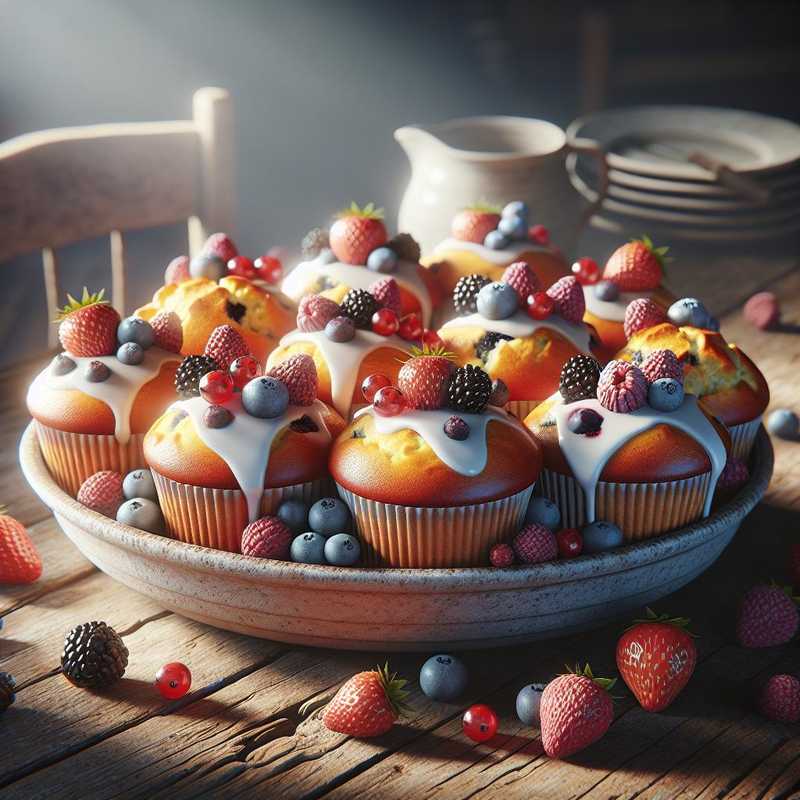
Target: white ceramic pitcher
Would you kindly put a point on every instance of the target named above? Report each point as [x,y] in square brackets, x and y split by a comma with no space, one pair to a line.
[495,160]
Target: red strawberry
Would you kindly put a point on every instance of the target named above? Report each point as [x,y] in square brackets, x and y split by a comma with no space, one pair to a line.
[221,246]
[167,331]
[636,266]
[575,711]
[767,617]
[226,345]
[779,698]
[424,378]
[501,555]
[734,475]
[473,223]
[267,537]
[299,375]
[367,705]
[177,270]
[102,492]
[535,543]
[656,657]
[640,314]
[568,296]
[523,279]
[387,292]
[88,327]
[315,312]
[19,560]
[357,232]
[662,364]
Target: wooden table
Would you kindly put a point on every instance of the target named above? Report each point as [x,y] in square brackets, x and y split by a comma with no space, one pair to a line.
[240,733]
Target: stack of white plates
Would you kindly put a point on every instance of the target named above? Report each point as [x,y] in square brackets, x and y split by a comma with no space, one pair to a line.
[653,186]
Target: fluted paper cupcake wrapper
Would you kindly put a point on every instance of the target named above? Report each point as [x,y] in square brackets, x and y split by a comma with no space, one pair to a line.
[460,536]
[742,438]
[641,510]
[73,457]
[216,517]
[521,408]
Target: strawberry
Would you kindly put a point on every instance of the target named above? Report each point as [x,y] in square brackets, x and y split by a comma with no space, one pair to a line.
[102,492]
[177,270]
[779,698]
[367,705]
[357,232]
[221,246]
[535,543]
[568,296]
[19,560]
[473,223]
[167,331]
[88,327]
[424,378]
[224,345]
[315,311]
[575,711]
[636,266]
[299,375]
[267,537]
[387,292]
[656,657]
[523,280]
[767,617]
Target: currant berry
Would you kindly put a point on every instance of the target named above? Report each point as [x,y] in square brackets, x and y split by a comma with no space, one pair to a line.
[242,267]
[539,234]
[216,387]
[479,723]
[539,305]
[372,384]
[586,270]
[173,680]
[410,328]
[269,268]
[389,401]
[570,543]
[385,322]
[243,370]
[431,338]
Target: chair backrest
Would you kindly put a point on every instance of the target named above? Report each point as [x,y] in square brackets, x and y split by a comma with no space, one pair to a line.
[65,185]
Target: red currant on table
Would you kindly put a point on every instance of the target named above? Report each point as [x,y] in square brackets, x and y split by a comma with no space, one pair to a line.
[479,723]
[586,270]
[173,680]
[385,322]
[540,305]
[243,370]
[269,268]
[410,328]
[539,234]
[431,338]
[570,543]
[372,383]
[241,266]
[389,401]
[216,387]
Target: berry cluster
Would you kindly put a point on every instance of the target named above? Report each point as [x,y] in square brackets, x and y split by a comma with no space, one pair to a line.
[495,228]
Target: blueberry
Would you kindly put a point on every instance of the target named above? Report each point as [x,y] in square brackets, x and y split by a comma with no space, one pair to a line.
[529,699]
[130,353]
[599,536]
[584,420]
[135,329]
[265,397]
[495,240]
[543,511]
[96,372]
[783,423]
[606,290]
[217,417]
[516,208]
[382,259]
[688,311]
[497,301]
[443,678]
[62,364]
[326,256]
[328,516]
[139,483]
[139,512]
[713,324]
[665,394]
[207,266]
[342,550]
[340,329]
[516,228]
[308,548]
[294,514]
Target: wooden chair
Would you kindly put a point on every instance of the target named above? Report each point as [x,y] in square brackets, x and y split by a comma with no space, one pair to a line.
[65,185]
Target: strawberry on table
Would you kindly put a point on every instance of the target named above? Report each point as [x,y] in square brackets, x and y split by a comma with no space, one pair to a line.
[88,327]
[19,559]
[357,232]
[425,377]
[471,224]
[637,266]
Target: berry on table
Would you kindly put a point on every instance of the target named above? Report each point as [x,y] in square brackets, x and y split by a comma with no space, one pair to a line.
[19,560]
[241,267]
[294,514]
[779,698]
[189,372]
[497,301]
[173,680]
[314,242]
[136,330]
[410,328]
[62,364]
[243,370]
[543,511]
[784,424]
[469,390]
[267,537]
[342,550]
[763,310]
[662,364]
[103,492]
[579,377]
[387,292]
[474,223]
[424,378]
[216,387]
[340,329]
[359,305]
[569,300]
[570,543]
[665,394]
[534,544]
[502,555]
[177,270]
[443,677]
[298,374]
[265,397]
[139,483]
[621,387]
[314,312]
[606,290]
[688,311]
[328,516]
[88,327]
[586,270]
[465,292]
[456,428]
[221,246]
[97,372]
[7,695]
[268,268]
[382,259]
[225,345]
[539,234]
[94,656]
[389,401]
[371,384]
[529,700]
[522,278]
[767,617]
[385,322]
[539,305]
[207,266]
[479,723]
[217,417]
[585,422]
[500,394]
[515,228]
[496,240]
[636,266]
[167,331]
[357,232]
[599,536]
[308,548]
[141,513]
[641,314]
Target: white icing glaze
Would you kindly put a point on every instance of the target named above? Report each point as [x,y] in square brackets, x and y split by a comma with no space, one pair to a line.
[245,444]
[467,457]
[610,309]
[296,283]
[344,359]
[118,392]
[499,257]
[520,326]
[588,455]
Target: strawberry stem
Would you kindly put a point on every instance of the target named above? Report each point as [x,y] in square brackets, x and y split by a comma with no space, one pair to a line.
[604,683]
[393,686]
[87,299]
[651,616]
[368,212]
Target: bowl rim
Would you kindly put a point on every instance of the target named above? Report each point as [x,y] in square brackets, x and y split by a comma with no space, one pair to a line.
[365,579]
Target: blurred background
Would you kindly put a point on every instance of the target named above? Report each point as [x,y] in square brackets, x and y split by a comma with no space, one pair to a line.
[319,87]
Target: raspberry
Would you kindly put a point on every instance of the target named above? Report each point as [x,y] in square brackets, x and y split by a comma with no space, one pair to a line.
[767,617]
[177,270]
[267,537]
[523,279]
[642,313]
[763,310]
[466,291]
[622,387]
[220,245]
[734,475]
[167,331]
[225,345]
[405,246]
[501,555]
[359,305]
[102,492]
[779,699]
[579,377]
[662,364]
[314,242]
[469,390]
[424,379]
[299,375]
[568,296]
[315,312]
[534,544]
[387,293]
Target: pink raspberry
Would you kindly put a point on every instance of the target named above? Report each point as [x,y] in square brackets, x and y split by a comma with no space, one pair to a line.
[501,555]
[299,374]
[387,293]
[225,345]
[767,617]
[642,313]
[315,312]
[662,364]
[568,296]
[102,492]
[535,543]
[267,537]
[221,246]
[177,270]
[763,310]
[779,698]
[734,475]
[622,387]
[522,279]
[167,331]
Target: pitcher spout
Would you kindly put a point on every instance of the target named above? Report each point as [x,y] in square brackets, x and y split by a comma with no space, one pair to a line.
[416,140]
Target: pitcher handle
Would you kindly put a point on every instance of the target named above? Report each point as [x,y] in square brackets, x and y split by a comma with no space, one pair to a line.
[590,148]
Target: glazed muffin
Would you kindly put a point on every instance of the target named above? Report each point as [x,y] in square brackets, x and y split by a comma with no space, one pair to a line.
[628,446]
[224,458]
[729,384]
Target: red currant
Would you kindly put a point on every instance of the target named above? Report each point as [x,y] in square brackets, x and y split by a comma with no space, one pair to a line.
[372,383]
[540,305]
[173,680]
[479,723]
[389,401]
[570,542]
[385,322]
[410,328]
[243,370]
[242,266]
[586,271]
[539,234]
[269,269]
[216,387]
[431,338]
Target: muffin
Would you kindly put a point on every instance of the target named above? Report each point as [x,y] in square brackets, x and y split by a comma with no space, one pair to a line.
[433,475]
[628,446]
[729,384]
[222,460]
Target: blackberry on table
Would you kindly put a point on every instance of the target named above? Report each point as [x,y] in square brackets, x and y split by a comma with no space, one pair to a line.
[189,372]
[359,305]
[470,389]
[488,342]
[579,377]
[466,291]
[94,655]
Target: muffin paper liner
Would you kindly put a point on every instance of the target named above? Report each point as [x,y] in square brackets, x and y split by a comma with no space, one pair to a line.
[73,457]
[216,517]
[521,408]
[742,438]
[458,536]
[641,510]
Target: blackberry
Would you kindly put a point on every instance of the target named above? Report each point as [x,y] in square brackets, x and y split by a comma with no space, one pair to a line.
[94,655]
[405,246]
[360,305]
[470,389]
[189,372]
[314,242]
[7,685]
[579,378]
[466,292]
[487,343]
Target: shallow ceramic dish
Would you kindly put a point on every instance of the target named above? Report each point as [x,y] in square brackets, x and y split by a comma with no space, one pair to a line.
[395,609]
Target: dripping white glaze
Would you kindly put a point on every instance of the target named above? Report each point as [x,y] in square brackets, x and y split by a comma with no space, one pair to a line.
[610,309]
[245,444]
[467,457]
[118,392]
[499,257]
[588,455]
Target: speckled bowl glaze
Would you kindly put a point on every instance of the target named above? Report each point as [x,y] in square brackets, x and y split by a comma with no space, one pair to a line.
[396,609]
